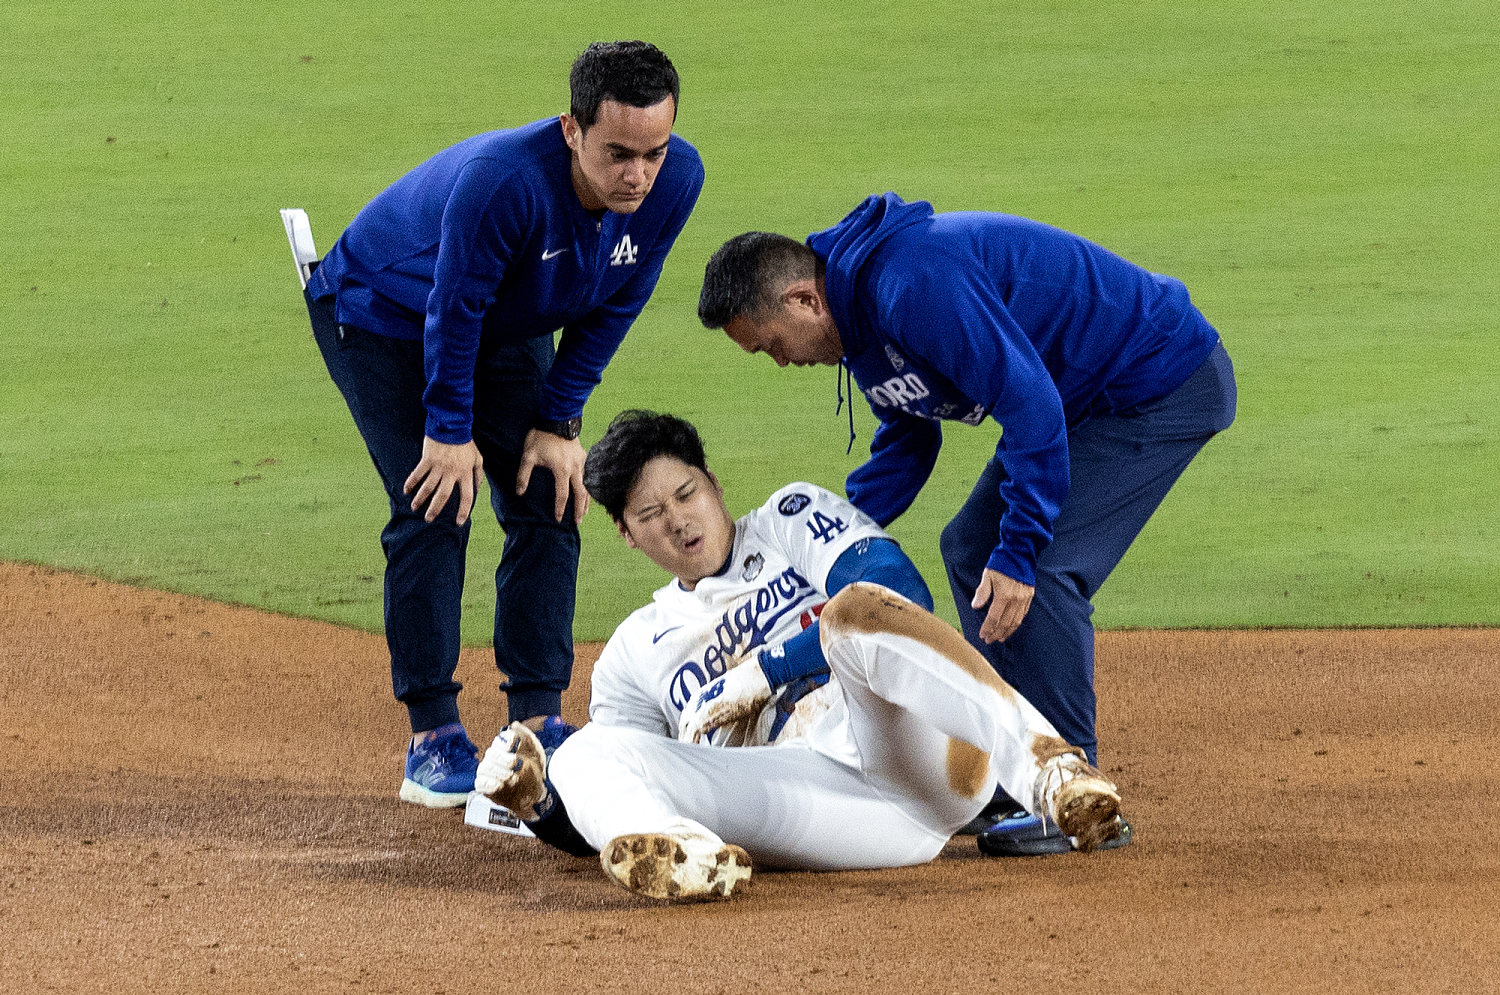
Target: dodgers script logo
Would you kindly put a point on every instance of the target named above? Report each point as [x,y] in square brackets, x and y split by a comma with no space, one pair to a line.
[741,630]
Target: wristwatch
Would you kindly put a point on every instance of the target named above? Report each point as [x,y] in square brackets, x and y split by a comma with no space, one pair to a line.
[567,429]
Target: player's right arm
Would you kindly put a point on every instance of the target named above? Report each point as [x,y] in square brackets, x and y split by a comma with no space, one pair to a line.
[513,773]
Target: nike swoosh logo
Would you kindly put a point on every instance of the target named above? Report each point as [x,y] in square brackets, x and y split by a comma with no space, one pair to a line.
[553,254]
[657,638]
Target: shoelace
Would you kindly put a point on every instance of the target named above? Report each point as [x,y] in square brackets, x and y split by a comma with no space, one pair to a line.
[1055,773]
[452,750]
[845,375]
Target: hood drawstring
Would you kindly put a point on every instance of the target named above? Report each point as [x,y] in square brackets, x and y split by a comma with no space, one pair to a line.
[843,375]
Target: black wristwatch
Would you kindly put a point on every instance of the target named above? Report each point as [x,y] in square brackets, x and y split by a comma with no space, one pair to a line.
[566,429]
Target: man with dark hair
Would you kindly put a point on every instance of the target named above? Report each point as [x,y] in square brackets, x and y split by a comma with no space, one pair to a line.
[435,313]
[633,439]
[890,732]
[1104,376]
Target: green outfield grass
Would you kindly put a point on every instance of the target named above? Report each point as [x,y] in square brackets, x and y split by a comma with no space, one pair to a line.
[1323,180]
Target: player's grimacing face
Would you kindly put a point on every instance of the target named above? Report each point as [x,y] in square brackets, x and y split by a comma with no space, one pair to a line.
[616,160]
[675,514]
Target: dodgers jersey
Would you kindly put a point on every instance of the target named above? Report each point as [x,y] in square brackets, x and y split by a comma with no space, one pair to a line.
[488,239]
[661,655]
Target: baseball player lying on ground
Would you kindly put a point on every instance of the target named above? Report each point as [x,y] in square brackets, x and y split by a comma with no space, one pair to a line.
[864,739]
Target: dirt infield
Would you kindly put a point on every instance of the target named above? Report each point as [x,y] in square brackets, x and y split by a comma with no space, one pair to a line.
[196,797]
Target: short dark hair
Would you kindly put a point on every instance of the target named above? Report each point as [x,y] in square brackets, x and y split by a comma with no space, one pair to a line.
[630,72]
[632,440]
[748,273]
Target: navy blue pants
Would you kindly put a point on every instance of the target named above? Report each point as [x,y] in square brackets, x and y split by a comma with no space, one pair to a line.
[1121,468]
[382,381]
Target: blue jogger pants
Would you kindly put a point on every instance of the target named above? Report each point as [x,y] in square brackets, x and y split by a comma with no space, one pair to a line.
[1121,467]
[382,381]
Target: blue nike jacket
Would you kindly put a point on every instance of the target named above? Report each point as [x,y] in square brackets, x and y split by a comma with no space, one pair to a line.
[487,239]
[971,315]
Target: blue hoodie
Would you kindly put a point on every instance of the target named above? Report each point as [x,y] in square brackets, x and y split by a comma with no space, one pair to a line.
[971,315]
[488,239]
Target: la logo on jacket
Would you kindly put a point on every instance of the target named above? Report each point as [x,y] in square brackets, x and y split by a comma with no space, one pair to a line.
[624,253]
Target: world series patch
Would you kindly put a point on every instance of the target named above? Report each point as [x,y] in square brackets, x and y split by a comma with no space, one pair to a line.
[793,503]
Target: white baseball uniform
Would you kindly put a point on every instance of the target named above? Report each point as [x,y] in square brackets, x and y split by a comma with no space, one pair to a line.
[903,745]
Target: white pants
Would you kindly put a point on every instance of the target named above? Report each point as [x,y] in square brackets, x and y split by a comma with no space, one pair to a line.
[912,748]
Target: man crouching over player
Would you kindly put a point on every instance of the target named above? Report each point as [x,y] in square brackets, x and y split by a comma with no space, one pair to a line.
[862,740]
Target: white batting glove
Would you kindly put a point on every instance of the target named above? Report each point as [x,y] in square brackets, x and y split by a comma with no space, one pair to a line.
[513,772]
[735,695]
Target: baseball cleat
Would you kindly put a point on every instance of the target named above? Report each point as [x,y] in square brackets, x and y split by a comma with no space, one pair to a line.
[1081,802]
[1022,834]
[676,867]
[440,769]
[513,772]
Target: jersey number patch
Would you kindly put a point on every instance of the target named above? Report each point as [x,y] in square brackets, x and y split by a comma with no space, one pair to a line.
[825,528]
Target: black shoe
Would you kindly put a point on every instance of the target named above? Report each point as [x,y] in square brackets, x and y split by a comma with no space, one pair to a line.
[1024,835]
[1002,806]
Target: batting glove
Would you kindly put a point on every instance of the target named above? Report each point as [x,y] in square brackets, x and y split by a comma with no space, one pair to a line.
[513,773]
[738,694]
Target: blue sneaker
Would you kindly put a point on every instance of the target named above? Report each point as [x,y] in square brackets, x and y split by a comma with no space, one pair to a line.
[440,770]
[1022,834]
[553,732]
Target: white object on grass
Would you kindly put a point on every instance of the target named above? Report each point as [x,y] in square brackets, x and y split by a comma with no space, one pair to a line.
[299,234]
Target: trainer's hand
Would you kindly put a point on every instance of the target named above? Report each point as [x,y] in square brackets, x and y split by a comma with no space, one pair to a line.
[735,695]
[513,772]
[564,457]
[1008,599]
[444,467]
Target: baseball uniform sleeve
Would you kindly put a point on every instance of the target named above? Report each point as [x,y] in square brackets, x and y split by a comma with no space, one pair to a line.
[813,527]
[616,698]
[870,559]
[481,232]
[953,318]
